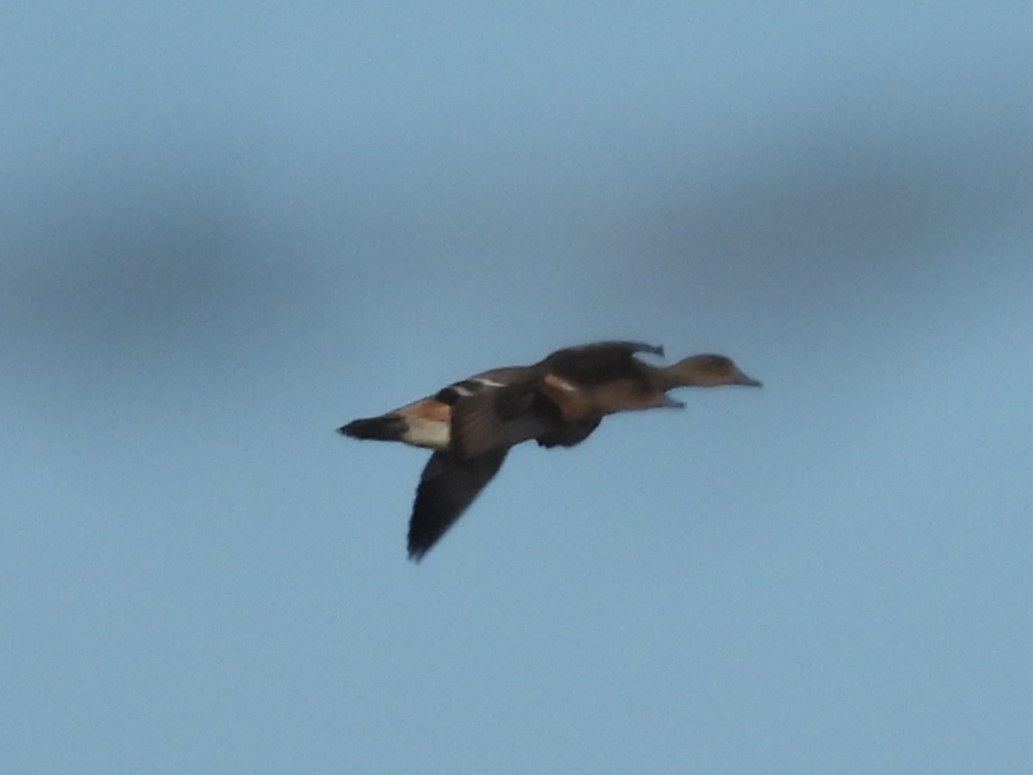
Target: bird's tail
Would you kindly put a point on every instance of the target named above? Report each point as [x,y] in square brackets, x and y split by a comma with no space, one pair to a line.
[387,427]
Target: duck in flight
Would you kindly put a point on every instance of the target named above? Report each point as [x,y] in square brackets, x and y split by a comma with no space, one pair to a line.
[472,424]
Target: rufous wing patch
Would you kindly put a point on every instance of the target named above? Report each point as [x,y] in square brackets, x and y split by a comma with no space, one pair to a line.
[429,409]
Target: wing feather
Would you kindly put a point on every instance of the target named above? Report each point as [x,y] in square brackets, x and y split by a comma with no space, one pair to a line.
[449,484]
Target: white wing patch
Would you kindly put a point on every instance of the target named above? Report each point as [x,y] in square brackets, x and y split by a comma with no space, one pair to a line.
[422,432]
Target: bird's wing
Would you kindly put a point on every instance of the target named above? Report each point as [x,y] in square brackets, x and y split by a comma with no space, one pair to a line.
[569,434]
[448,485]
[500,418]
[597,363]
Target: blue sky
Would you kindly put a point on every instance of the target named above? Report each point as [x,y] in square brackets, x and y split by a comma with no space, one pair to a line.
[226,230]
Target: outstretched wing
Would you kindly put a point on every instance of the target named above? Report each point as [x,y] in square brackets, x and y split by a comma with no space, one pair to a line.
[448,485]
[501,418]
[597,363]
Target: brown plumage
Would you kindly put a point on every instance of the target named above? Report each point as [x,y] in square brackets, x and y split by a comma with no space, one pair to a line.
[558,401]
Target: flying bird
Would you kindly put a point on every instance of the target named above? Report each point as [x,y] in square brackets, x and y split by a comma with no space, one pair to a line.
[559,401]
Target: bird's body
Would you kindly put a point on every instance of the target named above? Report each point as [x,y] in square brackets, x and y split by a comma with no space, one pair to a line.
[559,401]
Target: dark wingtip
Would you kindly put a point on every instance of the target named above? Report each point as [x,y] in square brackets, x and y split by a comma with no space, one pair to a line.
[415,555]
[418,546]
